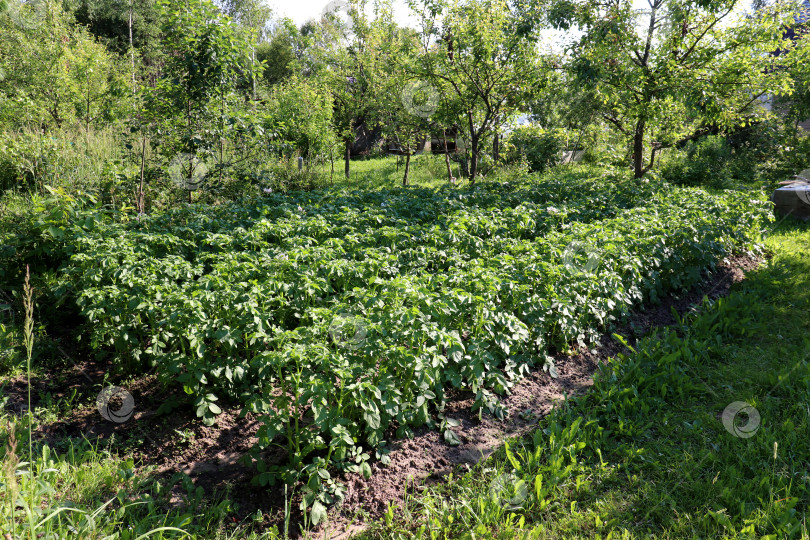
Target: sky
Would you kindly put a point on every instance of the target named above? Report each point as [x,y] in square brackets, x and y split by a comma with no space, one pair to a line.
[301,11]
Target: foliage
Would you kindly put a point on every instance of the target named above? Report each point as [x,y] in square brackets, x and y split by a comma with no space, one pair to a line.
[703,162]
[344,318]
[678,70]
[763,153]
[130,29]
[405,120]
[794,107]
[278,55]
[56,74]
[298,120]
[542,148]
[443,289]
[340,62]
[482,62]
[194,107]
[44,493]
[43,234]
[30,160]
[791,156]
[644,453]
[111,21]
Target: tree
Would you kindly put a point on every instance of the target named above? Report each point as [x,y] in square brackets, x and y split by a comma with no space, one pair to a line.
[278,54]
[252,15]
[195,105]
[482,57]
[796,108]
[399,104]
[675,71]
[337,54]
[299,117]
[55,74]
[126,27]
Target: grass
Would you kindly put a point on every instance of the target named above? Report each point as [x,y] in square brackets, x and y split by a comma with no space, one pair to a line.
[77,160]
[426,170]
[645,453]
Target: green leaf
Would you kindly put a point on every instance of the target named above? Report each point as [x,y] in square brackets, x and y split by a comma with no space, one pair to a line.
[451,438]
[318,513]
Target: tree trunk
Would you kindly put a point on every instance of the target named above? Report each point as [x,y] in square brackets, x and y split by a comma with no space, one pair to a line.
[141,201]
[407,169]
[253,73]
[131,48]
[87,119]
[638,150]
[496,147]
[348,158]
[474,151]
[447,157]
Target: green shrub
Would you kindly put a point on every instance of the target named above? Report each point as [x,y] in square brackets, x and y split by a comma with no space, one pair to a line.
[789,158]
[764,152]
[41,231]
[710,161]
[542,148]
[77,161]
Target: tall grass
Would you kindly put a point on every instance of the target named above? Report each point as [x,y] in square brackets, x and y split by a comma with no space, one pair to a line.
[76,160]
[28,340]
[31,489]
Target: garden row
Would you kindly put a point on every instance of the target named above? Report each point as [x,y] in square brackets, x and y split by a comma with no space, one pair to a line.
[341,319]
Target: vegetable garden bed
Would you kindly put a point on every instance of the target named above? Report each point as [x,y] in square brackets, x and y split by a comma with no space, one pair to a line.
[342,319]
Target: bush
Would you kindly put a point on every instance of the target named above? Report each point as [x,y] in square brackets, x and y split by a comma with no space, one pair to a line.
[281,175]
[542,148]
[711,161]
[41,231]
[789,158]
[74,160]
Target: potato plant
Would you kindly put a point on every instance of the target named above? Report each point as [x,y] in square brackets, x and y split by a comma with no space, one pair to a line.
[343,319]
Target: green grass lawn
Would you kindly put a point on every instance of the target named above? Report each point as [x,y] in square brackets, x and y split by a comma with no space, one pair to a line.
[426,170]
[646,453]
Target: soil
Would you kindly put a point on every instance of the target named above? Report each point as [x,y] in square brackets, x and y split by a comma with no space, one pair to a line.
[165,444]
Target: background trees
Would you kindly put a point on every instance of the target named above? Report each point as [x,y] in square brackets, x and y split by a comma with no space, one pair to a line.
[675,71]
[299,118]
[339,56]
[401,104]
[479,55]
[56,74]
[225,81]
[278,54]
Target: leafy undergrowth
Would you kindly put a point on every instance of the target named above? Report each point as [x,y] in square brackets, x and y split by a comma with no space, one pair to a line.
[700,432]
[339,317]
